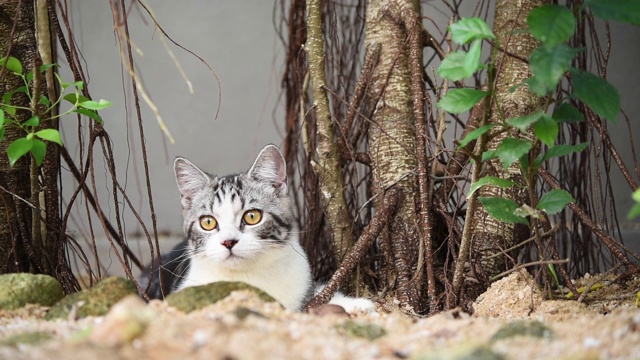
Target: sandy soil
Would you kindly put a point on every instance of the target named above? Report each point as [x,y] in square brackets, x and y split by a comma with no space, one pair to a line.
[510,321]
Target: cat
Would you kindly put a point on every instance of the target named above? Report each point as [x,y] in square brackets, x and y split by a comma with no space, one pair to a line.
[241,228]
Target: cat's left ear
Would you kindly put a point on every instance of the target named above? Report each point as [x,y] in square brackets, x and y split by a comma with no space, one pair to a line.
[270,168]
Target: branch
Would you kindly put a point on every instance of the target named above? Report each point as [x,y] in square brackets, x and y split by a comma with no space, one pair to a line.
[390,204]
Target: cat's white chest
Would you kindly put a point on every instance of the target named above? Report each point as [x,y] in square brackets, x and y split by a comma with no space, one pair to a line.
[284,274]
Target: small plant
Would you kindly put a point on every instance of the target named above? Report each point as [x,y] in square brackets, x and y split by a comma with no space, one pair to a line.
[35,135]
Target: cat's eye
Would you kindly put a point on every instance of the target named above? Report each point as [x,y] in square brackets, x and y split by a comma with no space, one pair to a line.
[252,217]
[208,222]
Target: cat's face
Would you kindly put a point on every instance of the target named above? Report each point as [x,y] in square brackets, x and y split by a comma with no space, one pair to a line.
[237,220]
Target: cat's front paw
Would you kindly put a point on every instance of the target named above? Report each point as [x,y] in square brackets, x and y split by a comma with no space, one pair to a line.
[351,304]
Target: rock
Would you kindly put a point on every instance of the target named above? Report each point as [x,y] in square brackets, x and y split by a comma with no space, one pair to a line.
[17,290]
[197,297]
[513,297]
[329,309]
[126,320]
[461,352]
[522,328]
[95,301]
[27,338]
[362,330]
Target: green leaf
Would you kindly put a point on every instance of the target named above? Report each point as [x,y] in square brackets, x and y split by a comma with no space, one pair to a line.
[18,148]
[635,210]
[32,121]
[488,155]
[596,93]
[95,105]
[460,100]
[549,63]
[524,122]
[503,209]
[46,67]
[13,64]
[89,113]
[567,113]
[512,149]
[551,24]
[563,149]
[1,133]
[468,29]
[475,134]
[38,151]
[536,86]
[1,118]
[50,135]
[75,98]
[554,201]
[620,10]
[452,67]
[492,180]
[11,110]
[546,130]
[472,60]
[44,101]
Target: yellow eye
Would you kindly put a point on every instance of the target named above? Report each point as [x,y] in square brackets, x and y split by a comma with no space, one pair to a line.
[252,217]
[208,222]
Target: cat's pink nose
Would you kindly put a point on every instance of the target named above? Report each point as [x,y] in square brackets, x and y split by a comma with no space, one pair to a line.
[229,243]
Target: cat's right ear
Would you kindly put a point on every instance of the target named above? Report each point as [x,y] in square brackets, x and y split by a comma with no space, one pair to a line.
[190,179]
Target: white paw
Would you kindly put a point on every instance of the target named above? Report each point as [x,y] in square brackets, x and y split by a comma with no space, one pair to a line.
[352,305]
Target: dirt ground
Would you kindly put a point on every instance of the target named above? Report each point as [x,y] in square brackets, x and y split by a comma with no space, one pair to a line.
[510,321]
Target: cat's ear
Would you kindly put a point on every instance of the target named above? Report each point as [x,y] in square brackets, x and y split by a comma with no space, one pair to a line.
[270,168]
[190,179]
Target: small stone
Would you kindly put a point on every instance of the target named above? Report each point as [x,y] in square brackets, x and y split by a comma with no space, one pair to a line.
[362,330]
[329,309]
[126,320]
[461,352]
[20,289]
[522,328]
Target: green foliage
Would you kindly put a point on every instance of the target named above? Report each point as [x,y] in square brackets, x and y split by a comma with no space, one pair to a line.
[635,210]
[553,26]
[33,142]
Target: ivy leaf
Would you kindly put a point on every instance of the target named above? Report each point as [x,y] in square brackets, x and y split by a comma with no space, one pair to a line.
[524,122]
[563,149]
[567,113]
[1,118]
[512,149]
[38,150]
[635,210]
[13,64]
[620,10]
[89,113]
[602,97]
[546,130]
[536,86]
[50,135]
[468,29]
[549,63]
[554,201]
[503,209]
[492,180]
[551,24]
[32,121]
[95,105]
[452,67]
[460,100]
[75,98]
[44,101]
[472,59]
[18,148]
[475,134]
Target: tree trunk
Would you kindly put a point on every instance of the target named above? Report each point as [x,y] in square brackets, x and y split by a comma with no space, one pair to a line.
[15,227]
[392,142]
[489,235]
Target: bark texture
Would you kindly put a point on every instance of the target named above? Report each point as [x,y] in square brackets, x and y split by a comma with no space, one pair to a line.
[392,141]
[489,235]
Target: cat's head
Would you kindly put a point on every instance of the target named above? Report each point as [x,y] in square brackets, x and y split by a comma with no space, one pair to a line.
[236,220]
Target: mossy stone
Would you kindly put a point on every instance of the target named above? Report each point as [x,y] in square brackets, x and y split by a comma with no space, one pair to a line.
[27,338]
[461,352]
[522,328]
[17,290]
[95,301]
[197,297]
[361,330]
